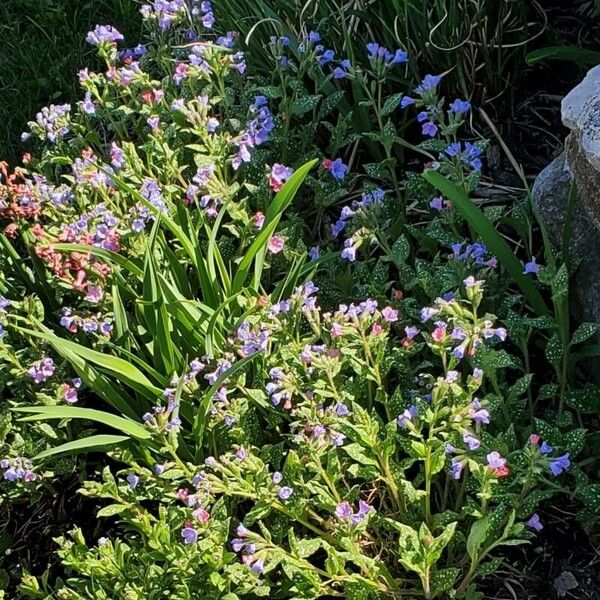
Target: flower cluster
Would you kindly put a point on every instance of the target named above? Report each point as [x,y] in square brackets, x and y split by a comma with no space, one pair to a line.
[18,469]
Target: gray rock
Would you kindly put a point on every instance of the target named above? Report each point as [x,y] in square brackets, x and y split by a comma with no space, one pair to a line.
[550,195]
[580,99]
[580,162]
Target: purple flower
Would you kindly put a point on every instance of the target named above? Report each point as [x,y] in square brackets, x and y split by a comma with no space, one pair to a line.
[535,523]
[472,442]
[237,544]
[326,57]
[258,567]
[341,410]
[133,480]
[495,461]
[338,227]
[411,332]
[390,315]
[41,370]
[373,50]
[407,416]
[406,101]
[437,203]
[103,34]
[452,376]
[546,448]
[208,20]
[453,150]
[277,477]
[314,253]
[189,535]
[430,129]
[478,414]
[285,492]
[427,313]
[343,510]
[349,251]
[559,464]
[153,122]
[363,509]
[88,105]
[456,467]
[314,37]
[531,267]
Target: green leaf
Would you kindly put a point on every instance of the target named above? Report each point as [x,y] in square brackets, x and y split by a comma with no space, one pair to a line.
[443,580]
[89,443]
[584,332]
[206,402]
[257,249]
[111,510]
[42,413]
[477,537]
[569,53]
[118,367]
[359,454]
[305,104]
[391,104]
[586,400]
[108,255]
[492,239]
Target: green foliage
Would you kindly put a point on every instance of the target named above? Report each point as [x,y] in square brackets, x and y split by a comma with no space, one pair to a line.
[261,437]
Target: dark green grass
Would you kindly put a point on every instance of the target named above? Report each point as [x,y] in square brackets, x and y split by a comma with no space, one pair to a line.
[42,46]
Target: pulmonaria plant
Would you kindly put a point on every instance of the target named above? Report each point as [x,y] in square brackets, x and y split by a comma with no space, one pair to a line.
[308,451]
[377,468]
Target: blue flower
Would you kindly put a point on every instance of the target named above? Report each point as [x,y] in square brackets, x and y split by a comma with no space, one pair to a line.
[453,149]
[531,267]
[429,82]
[460,107]
[430,129]
[373,50]
[559,464]
[406,101]
[189,535]
[326,57]
[314,37]
[338,169]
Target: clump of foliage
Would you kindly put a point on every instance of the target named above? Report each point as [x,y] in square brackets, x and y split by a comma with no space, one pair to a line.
[162,259]
[41,42]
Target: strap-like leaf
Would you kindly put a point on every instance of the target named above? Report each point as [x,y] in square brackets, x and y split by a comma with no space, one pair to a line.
[45,413]
[92,442]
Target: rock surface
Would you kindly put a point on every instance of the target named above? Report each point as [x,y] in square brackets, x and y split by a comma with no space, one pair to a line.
[580,162]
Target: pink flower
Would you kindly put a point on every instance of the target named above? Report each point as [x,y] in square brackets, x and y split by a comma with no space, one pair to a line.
[276,244]
[202,515]
[94,294]
[439,333]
